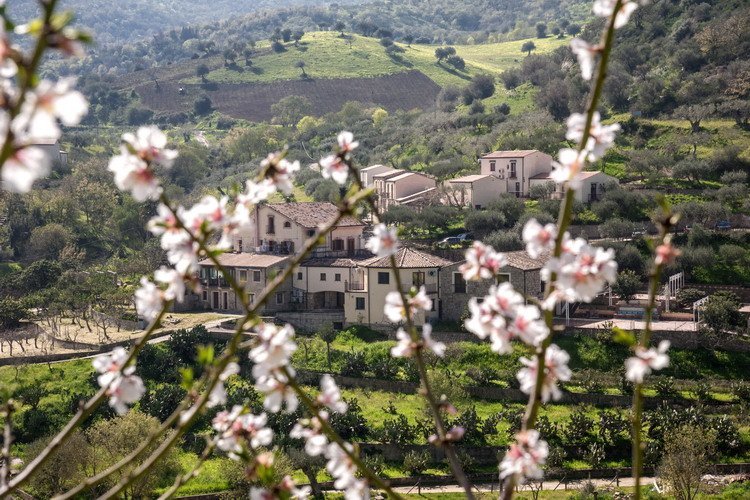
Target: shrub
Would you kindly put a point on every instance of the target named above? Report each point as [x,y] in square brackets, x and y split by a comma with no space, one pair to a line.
[202,105]
[687,296]
[184,343]
[397,431]
[416,462]
[354,365]
[665,388]
[352,424]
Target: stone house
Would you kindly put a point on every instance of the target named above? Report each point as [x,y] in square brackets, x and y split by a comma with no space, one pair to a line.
[593,185]
[523,272]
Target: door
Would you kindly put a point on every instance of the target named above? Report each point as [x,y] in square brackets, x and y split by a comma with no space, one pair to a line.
[226,301]
[518,189]
[593,192]
[215,300]
[350,246]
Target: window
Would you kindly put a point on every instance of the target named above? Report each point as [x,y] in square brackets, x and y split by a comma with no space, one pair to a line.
[384,278]
[337,277]
[459,284]
[250,298]
[271,227]
[310,233]
[299,275]
[243,275]
[322,276]
[492,165]
[337,245]
[256,275]
[279,297]
[503,278]
[417,278]
[239,246]
[512,169]
[287,224]
[359,303]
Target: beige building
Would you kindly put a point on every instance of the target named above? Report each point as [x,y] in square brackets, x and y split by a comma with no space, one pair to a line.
[253,272]
[53,151]
[365,296]
[366,175]
[402,188]
[593,185]
[475,191]
[516,168]
[283,228]
[523,272]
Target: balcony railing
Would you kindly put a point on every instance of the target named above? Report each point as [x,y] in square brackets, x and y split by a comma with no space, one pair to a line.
[214,282]
[354,286]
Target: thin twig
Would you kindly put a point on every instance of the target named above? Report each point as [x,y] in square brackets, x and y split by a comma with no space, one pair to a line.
[7,440]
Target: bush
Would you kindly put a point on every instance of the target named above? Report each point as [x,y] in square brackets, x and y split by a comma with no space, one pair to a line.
[397,431]
[184,343]
[687,296]
[352,424]
[416,462]
[354,365]
[665,388]
[202,105]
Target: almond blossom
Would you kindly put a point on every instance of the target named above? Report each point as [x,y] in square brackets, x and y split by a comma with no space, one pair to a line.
[122,385]
[406,347]
[528,325]
[555,369]
[600,139]
[334,167]
[666,253]
[149,144]
[341,467]
[23,167]
[346,142]
[285,489]
[218,395]
[525,457]
[275,348]
[175,283]
[486,322]
[50,102]
[394,305]
[8,67]
[605,8]
[582,271]
[384,241]
[585,53]
[645,361]
[330,395]
[567,170]
[316,443]
[235,428]
[149,300]
[482,262]
[279,172]
[277,393]
[133,166]
[538,238]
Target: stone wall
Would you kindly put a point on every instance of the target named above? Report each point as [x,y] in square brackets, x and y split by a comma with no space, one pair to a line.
[310,321]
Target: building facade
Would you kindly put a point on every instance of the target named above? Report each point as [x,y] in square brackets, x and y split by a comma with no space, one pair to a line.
[515,168]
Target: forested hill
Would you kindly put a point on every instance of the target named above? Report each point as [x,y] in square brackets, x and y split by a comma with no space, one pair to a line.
[116,21]
[421,21]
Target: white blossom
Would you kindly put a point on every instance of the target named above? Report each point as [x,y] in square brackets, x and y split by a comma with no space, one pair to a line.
[175,283]
[279,173]
[8,67]
[122,385]
[50,102]
[346,141]
[568,169]
[384,241]
[134,176]
[330,395]
[556,369]
[394,305]
[406,347]
[601,137]
[666,253]
[218,395]
[585,54]
[645,361]
[277,393]
[333,167]
[525,457]
[482,262]
[316,443]
[343,470]
[149,144]
[235,427]
[605,8]
[528,325]
[274,349]
[582,270]
[538,238]
[149,300]
[23,167]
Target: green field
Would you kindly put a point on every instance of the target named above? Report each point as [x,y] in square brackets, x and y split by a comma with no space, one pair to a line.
[327,55]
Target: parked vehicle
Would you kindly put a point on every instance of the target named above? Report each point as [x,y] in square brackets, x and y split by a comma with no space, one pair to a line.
[723,225]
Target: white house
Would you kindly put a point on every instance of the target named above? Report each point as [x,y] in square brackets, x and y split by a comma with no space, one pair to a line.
[593,185]
[516,168]
[53,151]
[366,174]
[473,190]
[400,187]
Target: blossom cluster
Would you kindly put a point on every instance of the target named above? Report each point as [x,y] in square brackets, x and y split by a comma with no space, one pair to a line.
[236,429]
[335,166]
[122,385]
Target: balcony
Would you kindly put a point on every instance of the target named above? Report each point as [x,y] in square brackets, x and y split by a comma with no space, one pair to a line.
[214,282]
[355,286]
[430,288]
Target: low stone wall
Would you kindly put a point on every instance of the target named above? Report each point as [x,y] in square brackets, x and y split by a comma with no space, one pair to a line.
[310,321]
[490,393]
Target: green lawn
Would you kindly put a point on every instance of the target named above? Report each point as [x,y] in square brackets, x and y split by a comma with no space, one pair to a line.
[327,55]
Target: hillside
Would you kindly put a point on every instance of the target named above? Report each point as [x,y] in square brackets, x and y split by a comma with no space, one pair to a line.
[336,70]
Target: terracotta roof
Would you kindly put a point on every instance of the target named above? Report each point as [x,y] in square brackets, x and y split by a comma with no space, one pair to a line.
[312,214]
[408,258]
[521,260]
[511,154]
[330,262]
[470,178]
[243,259]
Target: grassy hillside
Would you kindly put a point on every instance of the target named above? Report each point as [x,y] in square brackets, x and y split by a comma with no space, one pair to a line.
[327,55]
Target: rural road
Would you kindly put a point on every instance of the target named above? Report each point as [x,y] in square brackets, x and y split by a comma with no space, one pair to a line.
[547,485]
